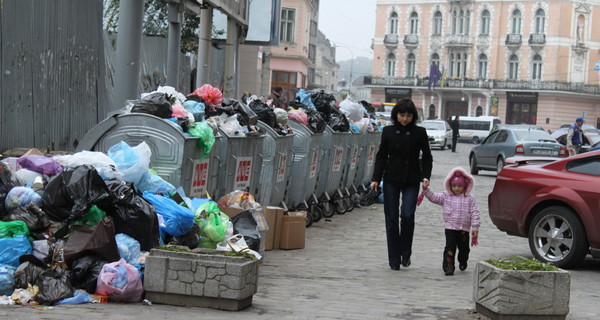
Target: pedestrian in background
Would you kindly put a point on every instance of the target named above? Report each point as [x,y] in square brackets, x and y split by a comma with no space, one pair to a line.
[275,97]
[397,163]
[575,137]
[461,216]
[454,125]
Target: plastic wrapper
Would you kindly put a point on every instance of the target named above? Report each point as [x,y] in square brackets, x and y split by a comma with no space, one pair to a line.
[120,281]
[105,166]
[40,164]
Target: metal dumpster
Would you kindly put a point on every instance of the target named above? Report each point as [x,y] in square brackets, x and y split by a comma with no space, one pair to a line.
[307,153]
[276,171]
[329,187]
[205,175]
[356,147]
[173,153]
[241,164]
[373,139]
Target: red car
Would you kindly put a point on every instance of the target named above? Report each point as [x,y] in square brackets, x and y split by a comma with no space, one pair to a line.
[554,203]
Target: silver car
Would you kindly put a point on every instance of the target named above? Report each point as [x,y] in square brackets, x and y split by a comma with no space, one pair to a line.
[504,143]
[439,132]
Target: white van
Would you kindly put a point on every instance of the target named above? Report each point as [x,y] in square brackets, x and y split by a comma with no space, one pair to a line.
[475,129]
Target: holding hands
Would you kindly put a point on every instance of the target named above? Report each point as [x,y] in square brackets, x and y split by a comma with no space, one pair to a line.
[474,236]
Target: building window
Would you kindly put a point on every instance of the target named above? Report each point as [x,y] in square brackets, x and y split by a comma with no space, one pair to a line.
[287,25]
[454,21]
[437,23]
[394,23]
[467,19]
[485,22]
[482,66]
[537,67]
[312,52]
[435,59]
[478,111]
[458,65]
[414,23]
[313,28]
[391,65]
[513,67]
[410,65]
[540,21]
[515,26]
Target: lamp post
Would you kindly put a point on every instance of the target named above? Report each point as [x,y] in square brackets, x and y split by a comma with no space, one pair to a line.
[351,66]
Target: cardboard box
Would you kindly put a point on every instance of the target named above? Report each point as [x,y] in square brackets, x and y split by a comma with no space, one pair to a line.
[231,212]
[293,230]
[274,216]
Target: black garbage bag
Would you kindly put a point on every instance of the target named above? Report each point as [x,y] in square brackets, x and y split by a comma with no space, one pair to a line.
[98,240]
[315,120]
[27,273]
[264,112]
[85,272]
[190,239]
[54,285]
[132,214]
[156,104]
[69,195]
[32,215]
[245,224]
[324,102]
[338,121]
[245,115]
[369,107]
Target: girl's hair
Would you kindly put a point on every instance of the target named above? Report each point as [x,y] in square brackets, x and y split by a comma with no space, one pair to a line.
[404,106]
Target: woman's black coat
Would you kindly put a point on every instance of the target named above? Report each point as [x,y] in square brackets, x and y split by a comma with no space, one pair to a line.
[397,160]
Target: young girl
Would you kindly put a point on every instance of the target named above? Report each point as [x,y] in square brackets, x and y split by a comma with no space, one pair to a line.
[460,216]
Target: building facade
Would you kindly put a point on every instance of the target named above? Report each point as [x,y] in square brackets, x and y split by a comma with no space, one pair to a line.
[532,62]
[326,69]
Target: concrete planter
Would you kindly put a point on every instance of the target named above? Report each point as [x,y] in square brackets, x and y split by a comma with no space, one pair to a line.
[200,278]
[516,294]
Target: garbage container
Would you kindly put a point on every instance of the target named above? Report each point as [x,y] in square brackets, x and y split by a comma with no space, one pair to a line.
[373,139]
[173,153]
[276,171]
[356,147]
[329,189]
[241,164]
[205,175]
[307,153]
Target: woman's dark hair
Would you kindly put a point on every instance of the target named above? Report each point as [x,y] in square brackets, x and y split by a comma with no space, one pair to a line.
[404,106]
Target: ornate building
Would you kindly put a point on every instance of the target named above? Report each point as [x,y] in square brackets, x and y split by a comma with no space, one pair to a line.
[535,62]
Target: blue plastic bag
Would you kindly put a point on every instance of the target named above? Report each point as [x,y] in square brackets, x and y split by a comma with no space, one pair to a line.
[178,219]
[196,108]
[154,183]
[305,98]
[80,296]
[132,162]
[6,280]
[129,248]
[13,248]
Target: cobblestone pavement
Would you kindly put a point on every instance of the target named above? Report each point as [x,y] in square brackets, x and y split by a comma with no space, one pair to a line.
[343,273]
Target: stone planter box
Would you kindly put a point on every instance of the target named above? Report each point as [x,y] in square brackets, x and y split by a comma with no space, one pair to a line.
[516,294]
[200,278]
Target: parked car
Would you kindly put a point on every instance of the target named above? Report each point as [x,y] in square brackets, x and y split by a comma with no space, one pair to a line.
[475,129]
[588,128]
[439,132]
[555,205]
[588,140]
[504,143]
[516,126]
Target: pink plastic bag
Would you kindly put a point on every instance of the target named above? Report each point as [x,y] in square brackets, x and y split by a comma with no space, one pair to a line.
[209,94]
[120,281]
[299,116]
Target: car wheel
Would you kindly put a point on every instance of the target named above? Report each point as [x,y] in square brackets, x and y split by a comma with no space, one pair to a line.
[499,165]
[476,140]
[444,145]
[556,235]
[473,165]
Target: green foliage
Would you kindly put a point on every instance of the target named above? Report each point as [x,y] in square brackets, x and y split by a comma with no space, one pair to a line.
[521,263]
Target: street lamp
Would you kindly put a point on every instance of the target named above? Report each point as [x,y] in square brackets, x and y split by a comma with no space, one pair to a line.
[351,66]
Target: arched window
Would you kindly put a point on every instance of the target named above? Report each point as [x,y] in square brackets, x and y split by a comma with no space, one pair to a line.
[431,111]
[482,70]
[435,59]
[537,68]
[485,22]
[394,23]
[414,23]
[454,21]
[437,23]
[410,65]
[478,111]
[540,21]
[515,26]
[467,21]
[452,64]
[461,22]
[513,67]
[390,65]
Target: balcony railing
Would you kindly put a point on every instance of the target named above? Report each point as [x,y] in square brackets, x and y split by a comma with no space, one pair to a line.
[513,39]
[390,40]
[411,40]
[537,39]
[458,40]
[451,83]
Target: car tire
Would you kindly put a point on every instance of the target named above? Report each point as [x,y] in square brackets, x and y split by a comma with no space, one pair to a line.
[553,248]
[476,140]
[499,165]
[473,165]
[444,145]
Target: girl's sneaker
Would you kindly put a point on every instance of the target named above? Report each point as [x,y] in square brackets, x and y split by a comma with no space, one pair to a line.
[462,266]
[449,272]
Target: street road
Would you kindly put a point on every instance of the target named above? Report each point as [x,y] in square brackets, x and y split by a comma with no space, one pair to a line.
[343,272]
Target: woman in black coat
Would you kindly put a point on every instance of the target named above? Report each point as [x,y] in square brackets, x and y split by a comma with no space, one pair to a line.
[398,164]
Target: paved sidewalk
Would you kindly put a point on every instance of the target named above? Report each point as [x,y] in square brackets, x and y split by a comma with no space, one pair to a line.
[343,273]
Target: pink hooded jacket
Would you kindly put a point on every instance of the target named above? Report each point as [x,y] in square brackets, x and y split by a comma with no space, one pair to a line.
[460,211]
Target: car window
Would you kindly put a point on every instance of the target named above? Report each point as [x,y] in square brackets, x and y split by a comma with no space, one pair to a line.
[589,165]
[502,136]
[490,138]
[532,135]
[433,125]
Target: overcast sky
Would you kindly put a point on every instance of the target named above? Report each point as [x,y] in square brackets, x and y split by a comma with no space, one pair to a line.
[349,24]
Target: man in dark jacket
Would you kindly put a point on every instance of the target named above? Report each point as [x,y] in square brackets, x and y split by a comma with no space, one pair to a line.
[397,163]
[275,97]
[454,125]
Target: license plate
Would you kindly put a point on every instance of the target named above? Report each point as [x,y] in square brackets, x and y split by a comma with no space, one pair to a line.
[544,152]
